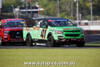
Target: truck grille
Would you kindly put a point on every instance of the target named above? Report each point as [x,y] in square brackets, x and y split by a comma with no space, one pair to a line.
[16,34]
[72,35]
[73,31]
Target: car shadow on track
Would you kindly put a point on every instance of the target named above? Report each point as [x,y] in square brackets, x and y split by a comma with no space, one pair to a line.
[21,46]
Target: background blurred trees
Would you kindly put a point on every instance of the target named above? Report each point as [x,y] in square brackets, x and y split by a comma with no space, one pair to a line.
[67,7]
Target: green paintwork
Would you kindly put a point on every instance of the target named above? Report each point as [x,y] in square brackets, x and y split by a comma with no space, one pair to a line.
[36,34]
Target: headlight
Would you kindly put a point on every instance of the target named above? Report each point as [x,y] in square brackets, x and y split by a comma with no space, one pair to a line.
[58,32]
[6,32]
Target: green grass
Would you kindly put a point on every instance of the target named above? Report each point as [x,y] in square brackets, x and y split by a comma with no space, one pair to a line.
[81,57]
[93,44]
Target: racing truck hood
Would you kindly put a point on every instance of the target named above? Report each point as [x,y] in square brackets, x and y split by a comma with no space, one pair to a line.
[13,28]
[67,28]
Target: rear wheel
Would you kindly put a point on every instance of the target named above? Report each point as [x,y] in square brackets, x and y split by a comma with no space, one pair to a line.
[29,41]
[51,41]
[80,44]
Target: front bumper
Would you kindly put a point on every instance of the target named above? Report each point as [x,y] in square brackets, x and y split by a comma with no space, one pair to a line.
[8,39]
[13,40]
[61,39]
[13,36]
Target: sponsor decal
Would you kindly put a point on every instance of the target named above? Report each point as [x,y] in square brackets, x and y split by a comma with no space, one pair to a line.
[75,28]
[36,28]
[67,29]
[69,22]
[22,22]
[49,20]
[28,29]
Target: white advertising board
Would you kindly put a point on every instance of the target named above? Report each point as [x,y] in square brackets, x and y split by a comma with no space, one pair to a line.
[90,27]
[0,4]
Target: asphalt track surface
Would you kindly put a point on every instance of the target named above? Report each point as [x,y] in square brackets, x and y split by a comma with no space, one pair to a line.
[88,39]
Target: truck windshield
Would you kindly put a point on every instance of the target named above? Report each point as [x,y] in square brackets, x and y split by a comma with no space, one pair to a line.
[14,23]
[60,23]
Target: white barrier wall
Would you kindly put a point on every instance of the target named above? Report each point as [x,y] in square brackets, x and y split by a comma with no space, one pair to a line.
[0,4]
[90,27]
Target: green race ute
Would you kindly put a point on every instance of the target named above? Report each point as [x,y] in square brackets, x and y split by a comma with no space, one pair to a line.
[54,32]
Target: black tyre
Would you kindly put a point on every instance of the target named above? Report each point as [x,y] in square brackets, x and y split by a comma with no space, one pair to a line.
[1,42]
[80,44]
[24,43]
[51,41]
[29,41]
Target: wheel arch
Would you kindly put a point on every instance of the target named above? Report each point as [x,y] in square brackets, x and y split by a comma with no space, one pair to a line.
[54,36]
[29,39]
[28,34]
[50,34]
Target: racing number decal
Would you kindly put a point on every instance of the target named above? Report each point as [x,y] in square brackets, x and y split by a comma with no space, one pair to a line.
[43,33]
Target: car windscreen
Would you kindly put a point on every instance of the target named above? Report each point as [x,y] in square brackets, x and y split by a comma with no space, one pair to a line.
[14,23]
[60,23]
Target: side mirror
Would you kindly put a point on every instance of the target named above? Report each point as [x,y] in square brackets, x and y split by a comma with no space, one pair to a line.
[74,24]
[29,25]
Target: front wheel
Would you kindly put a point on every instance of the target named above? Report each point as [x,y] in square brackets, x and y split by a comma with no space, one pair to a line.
[80,44]
[1,43]
[29,41]
[51,41]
